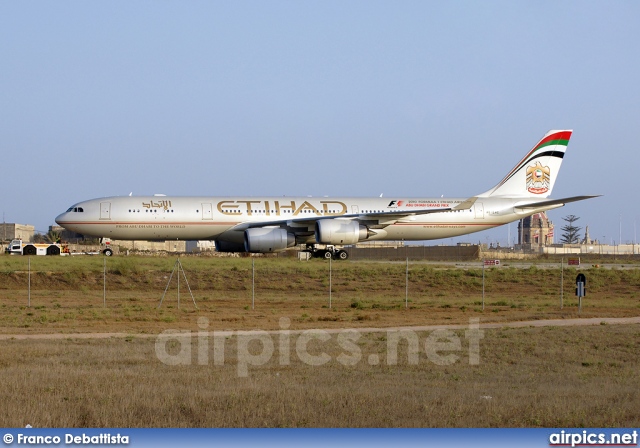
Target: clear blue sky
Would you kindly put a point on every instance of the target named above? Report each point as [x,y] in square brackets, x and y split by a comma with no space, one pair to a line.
[334,98]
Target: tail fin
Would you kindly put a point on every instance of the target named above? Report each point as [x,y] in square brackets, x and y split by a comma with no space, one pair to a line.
[536,173]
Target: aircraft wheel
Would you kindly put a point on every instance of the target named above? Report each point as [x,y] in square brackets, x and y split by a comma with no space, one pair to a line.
[327,255]
[343,255]
[107,252]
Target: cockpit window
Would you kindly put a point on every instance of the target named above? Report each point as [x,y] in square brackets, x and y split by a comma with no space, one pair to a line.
[75,209]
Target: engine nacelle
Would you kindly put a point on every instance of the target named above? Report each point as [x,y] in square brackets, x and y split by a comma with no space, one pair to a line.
[228,246]
[340,231]
[264,240]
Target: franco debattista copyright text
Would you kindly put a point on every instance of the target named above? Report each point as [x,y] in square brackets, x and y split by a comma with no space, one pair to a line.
[66,439]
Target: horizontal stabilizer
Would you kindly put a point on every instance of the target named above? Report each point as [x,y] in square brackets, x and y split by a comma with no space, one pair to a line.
[555,202]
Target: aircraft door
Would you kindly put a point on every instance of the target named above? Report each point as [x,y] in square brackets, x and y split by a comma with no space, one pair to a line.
[105,210]
[207,211]
[355,210]
[479,208]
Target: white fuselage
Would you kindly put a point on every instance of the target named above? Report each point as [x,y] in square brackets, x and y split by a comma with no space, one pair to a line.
[209,218]
[269,224]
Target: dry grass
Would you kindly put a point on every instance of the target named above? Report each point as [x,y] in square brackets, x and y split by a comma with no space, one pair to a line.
[549,377]
[67,294]
[534,376]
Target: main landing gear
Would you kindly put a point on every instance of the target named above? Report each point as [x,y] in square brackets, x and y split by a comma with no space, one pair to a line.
[328,252]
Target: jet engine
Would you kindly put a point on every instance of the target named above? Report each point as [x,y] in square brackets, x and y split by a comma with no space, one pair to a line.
[340,231]
[265,239]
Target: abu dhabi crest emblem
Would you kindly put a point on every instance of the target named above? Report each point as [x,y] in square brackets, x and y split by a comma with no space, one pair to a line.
[538,178]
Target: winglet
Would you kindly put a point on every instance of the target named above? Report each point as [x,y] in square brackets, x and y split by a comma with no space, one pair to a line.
[466,205]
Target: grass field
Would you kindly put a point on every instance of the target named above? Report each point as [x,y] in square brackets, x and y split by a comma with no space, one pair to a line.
[568,377]
[67,294]
[544,377]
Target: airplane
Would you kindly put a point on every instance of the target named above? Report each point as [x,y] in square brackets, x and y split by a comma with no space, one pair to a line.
[272,224]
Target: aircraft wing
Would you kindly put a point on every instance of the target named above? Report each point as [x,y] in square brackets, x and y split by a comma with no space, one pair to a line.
[562,201]
[381,219]
[400,214]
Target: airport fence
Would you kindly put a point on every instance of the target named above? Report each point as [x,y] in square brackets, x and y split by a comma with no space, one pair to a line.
[431,253]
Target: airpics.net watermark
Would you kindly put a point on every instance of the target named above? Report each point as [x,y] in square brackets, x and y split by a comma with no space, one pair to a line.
[256,348]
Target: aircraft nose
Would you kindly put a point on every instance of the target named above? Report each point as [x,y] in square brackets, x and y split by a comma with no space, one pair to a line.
[60,219]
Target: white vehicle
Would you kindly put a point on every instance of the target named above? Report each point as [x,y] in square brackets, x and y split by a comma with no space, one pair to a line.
[20,247]
[271,224]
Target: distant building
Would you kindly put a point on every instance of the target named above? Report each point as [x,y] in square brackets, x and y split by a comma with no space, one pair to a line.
[67,236]
[10,231]
[374,244]
[151,246]
[535,230]
[200,246]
